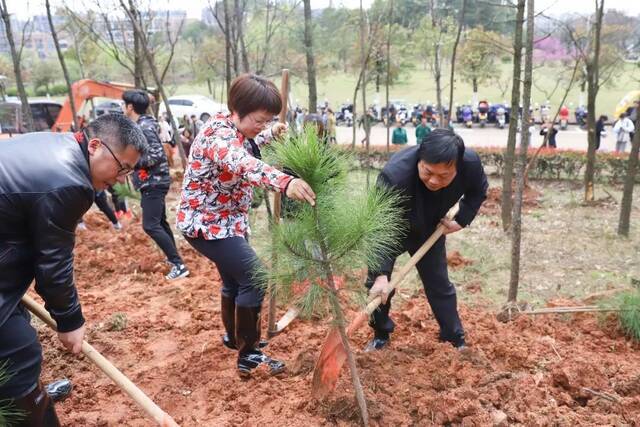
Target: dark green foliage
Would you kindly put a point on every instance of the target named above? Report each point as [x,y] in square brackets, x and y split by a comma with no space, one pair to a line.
[629,314]
[357,228]
[8,414]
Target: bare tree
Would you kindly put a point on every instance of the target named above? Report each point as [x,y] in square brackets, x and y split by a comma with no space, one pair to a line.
[65,72]
[225,26]
[388,72]
[16,56]
[453,60]
[156,76]
[522,160]
[629,181]
[436,22]
[509,154]
[311,64]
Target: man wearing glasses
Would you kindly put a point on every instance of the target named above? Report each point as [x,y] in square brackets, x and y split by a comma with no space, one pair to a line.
[47,182]
[151,177]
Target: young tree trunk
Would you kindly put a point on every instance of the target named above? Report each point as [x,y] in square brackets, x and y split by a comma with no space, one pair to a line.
[629,181]
[593,85]
[65,72]
[15,57]
[363,64]
[239,15]
[453,61]
[311,65]
[389,73]
[138,55]
[509,154]
[227,44]
[522,160]
[437,70]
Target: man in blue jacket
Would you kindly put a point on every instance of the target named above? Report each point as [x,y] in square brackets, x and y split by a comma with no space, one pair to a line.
[47,182]
[432,176]
[152,179]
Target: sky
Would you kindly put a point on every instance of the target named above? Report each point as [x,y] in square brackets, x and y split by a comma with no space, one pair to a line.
[25,8]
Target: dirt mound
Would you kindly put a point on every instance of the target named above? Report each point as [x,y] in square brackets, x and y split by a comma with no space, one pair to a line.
[492,205]
[456,260]
[553,370]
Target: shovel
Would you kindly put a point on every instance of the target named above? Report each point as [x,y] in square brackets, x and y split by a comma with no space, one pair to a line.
[158,415]
[333,355]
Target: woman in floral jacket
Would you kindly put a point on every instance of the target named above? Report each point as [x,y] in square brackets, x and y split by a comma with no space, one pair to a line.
[215,202]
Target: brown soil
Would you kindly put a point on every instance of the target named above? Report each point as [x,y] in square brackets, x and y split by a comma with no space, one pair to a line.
[492,205]
[536,371]
[455,260]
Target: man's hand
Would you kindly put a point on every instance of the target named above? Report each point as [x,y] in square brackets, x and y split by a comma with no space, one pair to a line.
[382,288]
[279,129]
[298,189]
[72,341]
[451,226]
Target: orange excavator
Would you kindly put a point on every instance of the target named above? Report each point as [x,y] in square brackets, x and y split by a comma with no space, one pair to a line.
[84,90]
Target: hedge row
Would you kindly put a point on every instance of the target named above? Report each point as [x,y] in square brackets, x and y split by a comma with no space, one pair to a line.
[550,164]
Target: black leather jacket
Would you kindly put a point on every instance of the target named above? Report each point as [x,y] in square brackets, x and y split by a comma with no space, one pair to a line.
[152,170]
[45,188]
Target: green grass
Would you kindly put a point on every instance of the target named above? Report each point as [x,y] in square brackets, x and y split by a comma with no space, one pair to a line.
[419,86]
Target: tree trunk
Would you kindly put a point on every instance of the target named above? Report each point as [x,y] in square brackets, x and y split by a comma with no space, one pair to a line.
[15,57]
[363,64]
[65,72]
[311,66]
[389,72]
[509,154]
[437,72]
[629,181]
[138,55]
[593,85]
[453,60]
[240,29]
[227,44]
[522,160]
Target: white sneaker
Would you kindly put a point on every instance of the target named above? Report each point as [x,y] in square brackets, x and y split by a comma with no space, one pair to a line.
[117,226]
[81,226]
[178,271]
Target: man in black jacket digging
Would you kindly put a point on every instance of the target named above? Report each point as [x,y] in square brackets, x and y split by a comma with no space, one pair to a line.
[433,176]
[152,179]
[47,182]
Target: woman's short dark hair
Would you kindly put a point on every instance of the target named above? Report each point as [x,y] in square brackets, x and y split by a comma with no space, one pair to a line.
[441,146]
[138,98]
[250,92]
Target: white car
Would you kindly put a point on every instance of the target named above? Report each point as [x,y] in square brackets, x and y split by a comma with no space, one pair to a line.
[193,105]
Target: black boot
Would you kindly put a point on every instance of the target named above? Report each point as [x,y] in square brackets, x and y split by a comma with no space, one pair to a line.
[247,340]
[59,390]
[228,310]
[38,409]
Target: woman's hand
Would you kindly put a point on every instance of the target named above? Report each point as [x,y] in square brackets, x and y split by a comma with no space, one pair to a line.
[279,129]
[298,189]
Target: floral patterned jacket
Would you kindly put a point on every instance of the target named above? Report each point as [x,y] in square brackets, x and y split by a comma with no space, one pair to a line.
[217,186]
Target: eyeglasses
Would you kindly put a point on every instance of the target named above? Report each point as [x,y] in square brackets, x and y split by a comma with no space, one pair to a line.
[122,170]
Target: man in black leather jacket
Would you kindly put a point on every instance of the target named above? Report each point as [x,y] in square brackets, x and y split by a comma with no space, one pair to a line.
[47,182]
[433,177]
[151,177]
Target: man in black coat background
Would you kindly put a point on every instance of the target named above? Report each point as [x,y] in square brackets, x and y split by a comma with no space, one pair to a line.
[47,182]
[433,177]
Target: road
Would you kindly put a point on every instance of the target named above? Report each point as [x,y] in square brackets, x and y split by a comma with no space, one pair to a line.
[573,138]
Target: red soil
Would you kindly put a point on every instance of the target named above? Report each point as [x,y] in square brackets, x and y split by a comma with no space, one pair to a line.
[533,371]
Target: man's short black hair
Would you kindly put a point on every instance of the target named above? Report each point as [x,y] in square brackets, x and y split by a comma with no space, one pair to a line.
[138,98]
[441,146]
[118,132]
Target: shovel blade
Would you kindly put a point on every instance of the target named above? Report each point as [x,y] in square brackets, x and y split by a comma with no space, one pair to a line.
[331,360]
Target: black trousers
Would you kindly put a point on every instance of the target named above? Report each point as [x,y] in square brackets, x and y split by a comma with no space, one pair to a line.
[20,355]
[237,264]
[154,222]
[103,205]
[440,292]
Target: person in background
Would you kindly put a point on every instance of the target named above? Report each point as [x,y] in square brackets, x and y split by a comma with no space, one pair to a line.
[600,131]
[331,126]
[186,139]
[622,130]
[422,130]
[399,136]
[151,177]
[550,129]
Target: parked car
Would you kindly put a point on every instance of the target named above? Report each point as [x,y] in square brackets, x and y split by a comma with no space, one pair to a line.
[108,107]
[44,115]
[193,105]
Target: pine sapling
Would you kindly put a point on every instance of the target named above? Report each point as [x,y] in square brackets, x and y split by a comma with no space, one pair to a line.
[346,229]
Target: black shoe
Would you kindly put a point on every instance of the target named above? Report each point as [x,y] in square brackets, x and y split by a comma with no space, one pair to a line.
[376,344]
[178,271]
[250,361]
[232,346]
[59,390]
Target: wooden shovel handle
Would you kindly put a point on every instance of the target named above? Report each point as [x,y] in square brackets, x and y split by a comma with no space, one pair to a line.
[417,256]
[153,410]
